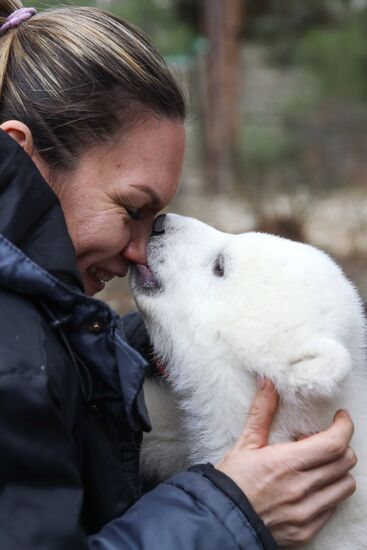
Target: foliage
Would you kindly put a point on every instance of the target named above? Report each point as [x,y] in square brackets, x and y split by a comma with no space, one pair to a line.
[331,61]
[323,39]
[338,57]
[265,144]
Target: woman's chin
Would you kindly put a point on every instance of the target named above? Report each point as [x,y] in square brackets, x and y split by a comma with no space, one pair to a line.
[92,285]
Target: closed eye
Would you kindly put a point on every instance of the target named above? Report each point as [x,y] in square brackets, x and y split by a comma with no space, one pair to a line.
[218,268]
[134,213]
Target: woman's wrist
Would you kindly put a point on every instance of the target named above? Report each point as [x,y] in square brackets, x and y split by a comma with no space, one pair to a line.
[228,486]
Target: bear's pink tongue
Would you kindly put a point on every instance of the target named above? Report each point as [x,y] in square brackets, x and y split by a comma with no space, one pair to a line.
[145,276]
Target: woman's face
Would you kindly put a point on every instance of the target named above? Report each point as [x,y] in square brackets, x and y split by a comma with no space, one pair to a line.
[111,199]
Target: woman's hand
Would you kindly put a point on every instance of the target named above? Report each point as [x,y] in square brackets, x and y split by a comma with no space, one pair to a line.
[294,487]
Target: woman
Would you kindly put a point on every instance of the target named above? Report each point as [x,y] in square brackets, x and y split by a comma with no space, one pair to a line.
[92,141]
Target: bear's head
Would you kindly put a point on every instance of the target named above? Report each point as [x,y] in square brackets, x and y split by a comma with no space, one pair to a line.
[253,303]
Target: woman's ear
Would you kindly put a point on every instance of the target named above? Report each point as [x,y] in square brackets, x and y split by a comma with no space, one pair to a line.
[23,136]
[21,133]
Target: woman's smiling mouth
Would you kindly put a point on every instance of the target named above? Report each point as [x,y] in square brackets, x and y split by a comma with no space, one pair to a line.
[102,276]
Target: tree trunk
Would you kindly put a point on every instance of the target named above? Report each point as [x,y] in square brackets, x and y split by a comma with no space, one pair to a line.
[223,22]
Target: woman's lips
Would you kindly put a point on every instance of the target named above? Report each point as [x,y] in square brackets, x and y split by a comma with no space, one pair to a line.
[101,275]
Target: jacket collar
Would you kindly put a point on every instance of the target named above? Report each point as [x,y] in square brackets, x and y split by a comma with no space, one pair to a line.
[31,217]
[106,352]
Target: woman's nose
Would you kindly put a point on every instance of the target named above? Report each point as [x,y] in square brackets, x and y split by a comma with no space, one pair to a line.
[135,253]
[135,250]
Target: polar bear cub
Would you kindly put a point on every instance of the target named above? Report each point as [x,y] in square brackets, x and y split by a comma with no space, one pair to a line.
[221,309]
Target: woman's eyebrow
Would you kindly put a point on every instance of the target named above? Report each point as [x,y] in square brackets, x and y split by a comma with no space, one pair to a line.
[155,201]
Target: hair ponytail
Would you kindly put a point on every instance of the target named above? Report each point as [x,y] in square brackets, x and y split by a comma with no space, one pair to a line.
[6,39]
[7,7]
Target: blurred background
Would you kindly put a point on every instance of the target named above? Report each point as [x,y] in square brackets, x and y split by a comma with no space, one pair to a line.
[277,127]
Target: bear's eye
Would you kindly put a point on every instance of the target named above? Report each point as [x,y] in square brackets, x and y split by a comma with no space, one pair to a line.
[218,269]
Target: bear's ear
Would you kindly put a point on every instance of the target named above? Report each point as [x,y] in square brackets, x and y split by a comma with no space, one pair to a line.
[319,368]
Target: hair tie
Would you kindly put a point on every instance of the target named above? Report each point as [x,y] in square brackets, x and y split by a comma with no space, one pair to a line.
[16,18]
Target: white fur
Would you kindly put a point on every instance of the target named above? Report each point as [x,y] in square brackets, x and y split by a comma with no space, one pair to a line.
[282,309]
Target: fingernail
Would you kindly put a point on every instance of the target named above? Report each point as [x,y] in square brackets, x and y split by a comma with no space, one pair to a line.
[344,412]
[260,382]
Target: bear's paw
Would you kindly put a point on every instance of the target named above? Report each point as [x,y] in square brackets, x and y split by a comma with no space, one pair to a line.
[319,368]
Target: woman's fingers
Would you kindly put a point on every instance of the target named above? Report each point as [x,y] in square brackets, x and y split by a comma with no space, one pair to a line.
[322,500]
[303,520]
[294,535]
[260,416]
[292,486]
[324,475]
[324,447]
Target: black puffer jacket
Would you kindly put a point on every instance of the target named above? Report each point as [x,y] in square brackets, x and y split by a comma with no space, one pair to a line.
[71,407]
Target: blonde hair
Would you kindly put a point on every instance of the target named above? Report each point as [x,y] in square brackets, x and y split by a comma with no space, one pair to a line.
[77,76]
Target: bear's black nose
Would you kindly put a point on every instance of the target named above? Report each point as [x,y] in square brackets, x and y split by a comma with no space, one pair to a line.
[158,226]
